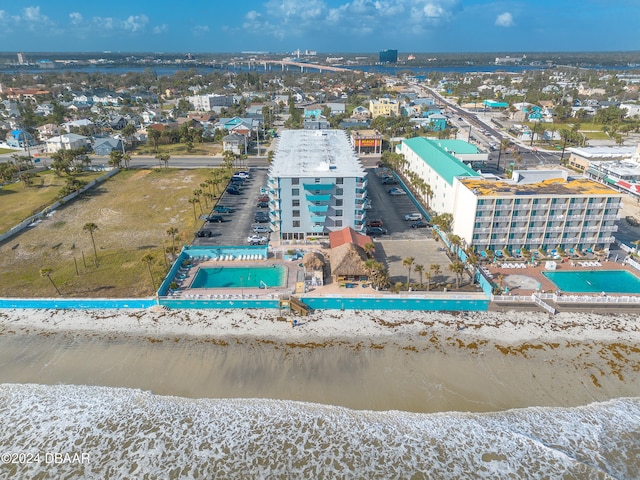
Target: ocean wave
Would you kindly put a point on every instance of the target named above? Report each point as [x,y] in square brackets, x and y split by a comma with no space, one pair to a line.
[124,433]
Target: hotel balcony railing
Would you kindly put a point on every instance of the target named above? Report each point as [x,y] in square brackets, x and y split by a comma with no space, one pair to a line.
[485,208]
[361,196]
[481,241]
[501,230]
[611,217]
[522,206]
[503,207]
[482,230]
[609,228]
[538,218]
[556,217]
[555,229]
[361,184]
[607,239]
[593,217]
[591,228]
[360,217]
[573,229]
[537,229]
[575,217]
[596,205]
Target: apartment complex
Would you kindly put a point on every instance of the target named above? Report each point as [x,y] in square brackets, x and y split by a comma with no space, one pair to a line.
[535,210]
[316,185]
[384,106]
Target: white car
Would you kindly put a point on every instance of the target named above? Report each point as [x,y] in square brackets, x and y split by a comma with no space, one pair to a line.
[261,229]
[257,239]
[414,217]
[397,191]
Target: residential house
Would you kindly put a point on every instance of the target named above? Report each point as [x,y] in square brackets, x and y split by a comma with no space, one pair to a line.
[384,106]
[69,141]
[48,130]
[104,146]
[19,138]
[235,143]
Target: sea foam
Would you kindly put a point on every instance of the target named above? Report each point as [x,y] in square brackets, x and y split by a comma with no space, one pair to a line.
[128,433]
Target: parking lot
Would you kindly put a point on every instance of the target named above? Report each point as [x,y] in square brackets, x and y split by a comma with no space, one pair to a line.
[391,209]
[237,224]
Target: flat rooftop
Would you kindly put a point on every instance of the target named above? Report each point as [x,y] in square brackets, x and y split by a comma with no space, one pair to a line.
[551,186]
[315,153]
[603,152]
[439,157]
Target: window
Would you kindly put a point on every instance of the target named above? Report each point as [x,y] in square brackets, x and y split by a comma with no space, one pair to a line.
[339,191]
[339,181]
[295,213]
[338,223]
[295,203]
[296,224]
[338,213]
[317,180]
[295,192]
[295,181]
[339,202]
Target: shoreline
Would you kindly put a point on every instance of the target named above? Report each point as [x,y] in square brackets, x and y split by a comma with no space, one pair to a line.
[392,360]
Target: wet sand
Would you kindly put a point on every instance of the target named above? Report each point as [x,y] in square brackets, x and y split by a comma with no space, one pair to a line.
[411,361]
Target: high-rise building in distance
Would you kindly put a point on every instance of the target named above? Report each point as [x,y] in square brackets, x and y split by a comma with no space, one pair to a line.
[389,56]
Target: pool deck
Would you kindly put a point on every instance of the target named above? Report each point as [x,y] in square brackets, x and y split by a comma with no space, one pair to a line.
[546,285]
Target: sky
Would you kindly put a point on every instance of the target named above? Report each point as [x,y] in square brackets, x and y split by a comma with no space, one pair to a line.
[410,26]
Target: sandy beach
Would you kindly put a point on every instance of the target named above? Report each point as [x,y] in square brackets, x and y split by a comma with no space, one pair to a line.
[378,360]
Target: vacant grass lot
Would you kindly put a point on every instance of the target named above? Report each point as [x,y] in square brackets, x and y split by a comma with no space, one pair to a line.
[133,211]
[20,202]
[180,149]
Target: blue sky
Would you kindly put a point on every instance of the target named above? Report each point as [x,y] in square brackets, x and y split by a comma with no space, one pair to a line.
[411,26]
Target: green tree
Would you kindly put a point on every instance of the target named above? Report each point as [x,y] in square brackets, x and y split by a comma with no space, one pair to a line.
[164,159]
[457,268]
[46,272]
[408,263]
[148,260]
[369,248]
[172,232]
[90,228]
[504,144]
[419,269]
[115,158]
[154,136]
[435,269]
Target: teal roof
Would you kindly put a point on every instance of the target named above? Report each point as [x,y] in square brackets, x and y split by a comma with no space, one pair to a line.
[444,164]
[457,146]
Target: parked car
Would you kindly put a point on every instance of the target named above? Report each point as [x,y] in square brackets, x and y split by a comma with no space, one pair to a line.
[631,221]
[203,233]
[375,231]
[374,223]
[397,191]
[387,180]
[261,229]
[263,198]
[244,175]
[233,190]
[221,209]
[215,218]
[415,216]
[262,205]
[367,204]
[257,239]
[261,218]
[420,224]
[237,181]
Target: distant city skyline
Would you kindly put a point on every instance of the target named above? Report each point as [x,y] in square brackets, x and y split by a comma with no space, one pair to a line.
[410,26]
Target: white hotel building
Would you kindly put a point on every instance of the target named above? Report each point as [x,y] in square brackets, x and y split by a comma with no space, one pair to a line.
[316,185]
[534,209]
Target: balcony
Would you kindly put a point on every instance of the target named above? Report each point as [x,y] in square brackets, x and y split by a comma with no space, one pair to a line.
[591,228]
[504,207]
[607,239]
[538,218]
[361,184]
[573,229]
[593,217]
[318,218]
[575,217]
[360,217]
[318,186]
[361,196]
[318,208]
[317,229]
[482,230]
[557,218]
[537,229]
[611,217]
[501,230]
[609,228]
[596,205]
[318,198]
[555,229]
[481,241]
[485,208]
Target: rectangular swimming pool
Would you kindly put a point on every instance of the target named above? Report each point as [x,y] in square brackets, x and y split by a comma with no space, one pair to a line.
[237,277]
[609,281]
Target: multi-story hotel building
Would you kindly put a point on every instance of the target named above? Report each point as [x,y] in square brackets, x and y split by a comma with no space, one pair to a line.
[316,185]
[535,210]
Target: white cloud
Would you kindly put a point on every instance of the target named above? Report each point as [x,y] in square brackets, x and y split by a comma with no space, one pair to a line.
[252,15]
[76,18]
[200,29]
[135,23]
[164,28]
[504,20]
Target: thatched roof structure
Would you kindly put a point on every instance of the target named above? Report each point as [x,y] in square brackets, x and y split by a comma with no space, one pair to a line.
[313,261]
[347,260]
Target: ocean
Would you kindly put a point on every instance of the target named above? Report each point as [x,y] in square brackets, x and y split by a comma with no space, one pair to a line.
[63,431]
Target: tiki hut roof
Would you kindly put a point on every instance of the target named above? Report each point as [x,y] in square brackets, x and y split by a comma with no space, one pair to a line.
[347,260]
[313,261]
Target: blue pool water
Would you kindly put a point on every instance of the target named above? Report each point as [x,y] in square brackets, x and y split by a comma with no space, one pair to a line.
[236,277]
[610,281]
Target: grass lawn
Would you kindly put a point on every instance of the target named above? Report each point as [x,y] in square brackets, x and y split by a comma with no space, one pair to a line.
[180,149]
[133,211]
[20,202]
[7,150]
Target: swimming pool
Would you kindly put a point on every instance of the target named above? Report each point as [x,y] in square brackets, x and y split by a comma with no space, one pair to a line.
[237,277]
[609,281]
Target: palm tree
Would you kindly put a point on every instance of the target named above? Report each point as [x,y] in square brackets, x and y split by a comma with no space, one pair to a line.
[369,248]
[148,259]
[193,202]
[154,136]
[90,228]
[427,273]
[420,269]
[46,272]
[172,232]
[408,262]
[457,267]
[504,144]
[164,159]
[455,241]
[435,268]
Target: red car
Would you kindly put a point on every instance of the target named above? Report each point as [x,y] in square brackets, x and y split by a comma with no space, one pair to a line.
[374,223]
